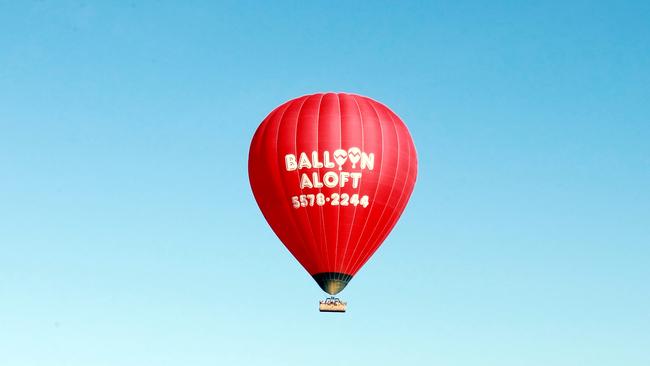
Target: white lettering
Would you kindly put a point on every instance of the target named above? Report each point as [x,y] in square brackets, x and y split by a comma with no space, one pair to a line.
[345,176]
[290,162]
[330,179]
[367,161]
[314,157]
[304,161]
[305,182]
[355,179]
[326,160]
[317,183]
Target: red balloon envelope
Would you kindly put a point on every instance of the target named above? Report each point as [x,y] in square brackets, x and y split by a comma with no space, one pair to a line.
[332,173]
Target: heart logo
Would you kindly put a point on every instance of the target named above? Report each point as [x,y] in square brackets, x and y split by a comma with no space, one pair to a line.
[354,154]
[340,156]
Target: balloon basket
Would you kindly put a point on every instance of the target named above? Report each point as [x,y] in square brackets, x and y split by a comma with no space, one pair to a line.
[332,305]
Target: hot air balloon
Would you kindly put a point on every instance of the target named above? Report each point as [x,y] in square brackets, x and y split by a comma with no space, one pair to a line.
[332,173]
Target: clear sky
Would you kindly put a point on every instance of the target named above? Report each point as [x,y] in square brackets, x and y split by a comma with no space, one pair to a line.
[129,235]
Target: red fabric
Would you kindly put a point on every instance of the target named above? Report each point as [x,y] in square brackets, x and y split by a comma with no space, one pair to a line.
[324,236]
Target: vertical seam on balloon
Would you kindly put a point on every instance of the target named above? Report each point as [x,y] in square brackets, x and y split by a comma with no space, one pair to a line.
[381,165]
[376,242]
[390,194]
[253,175]
[326,243]
[338,208]
[399,201]
[281,185]
[354,215]
[382,232]
[259,143]
[295,147]
[403,200]
[323,238]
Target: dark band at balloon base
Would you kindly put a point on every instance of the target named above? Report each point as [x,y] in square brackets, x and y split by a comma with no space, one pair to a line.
[332,282]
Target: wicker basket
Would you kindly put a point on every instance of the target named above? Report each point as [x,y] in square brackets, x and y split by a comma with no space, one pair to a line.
[332,306]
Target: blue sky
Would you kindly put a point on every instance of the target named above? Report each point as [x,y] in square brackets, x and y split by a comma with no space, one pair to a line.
[129,236]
